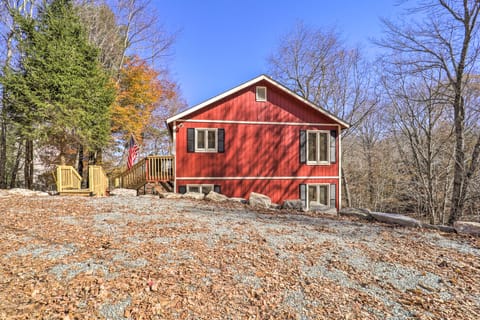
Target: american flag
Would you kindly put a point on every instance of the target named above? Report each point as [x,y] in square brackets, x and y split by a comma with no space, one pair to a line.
[132,152]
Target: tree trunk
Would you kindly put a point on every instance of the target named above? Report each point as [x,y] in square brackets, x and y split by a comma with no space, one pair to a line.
[16,166]
[28,165]
[80,160]
[459,168]
[3,151]
[346,190]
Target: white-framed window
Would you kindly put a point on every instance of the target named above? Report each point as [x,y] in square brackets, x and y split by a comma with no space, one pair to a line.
[318,193]
[200,188]
[318,147]
[205,140]
[261,93]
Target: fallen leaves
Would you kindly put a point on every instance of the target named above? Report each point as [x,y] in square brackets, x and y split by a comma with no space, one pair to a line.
[72,258]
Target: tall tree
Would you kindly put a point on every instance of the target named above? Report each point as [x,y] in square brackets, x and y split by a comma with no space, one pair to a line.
[8,9]
[445,38]
[140,92]
[59,88]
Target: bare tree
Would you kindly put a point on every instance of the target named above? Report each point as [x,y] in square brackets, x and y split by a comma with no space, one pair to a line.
[446,39]
[423,136]
[316,64]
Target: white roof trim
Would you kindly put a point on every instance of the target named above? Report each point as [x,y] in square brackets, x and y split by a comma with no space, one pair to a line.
[247,84]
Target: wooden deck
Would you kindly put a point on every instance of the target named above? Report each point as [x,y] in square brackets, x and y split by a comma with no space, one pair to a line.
[152,169]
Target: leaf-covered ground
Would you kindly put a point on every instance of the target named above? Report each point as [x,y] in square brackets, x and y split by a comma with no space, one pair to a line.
[150,258]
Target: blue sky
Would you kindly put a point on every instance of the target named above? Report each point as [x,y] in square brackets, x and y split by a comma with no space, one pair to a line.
[222,44]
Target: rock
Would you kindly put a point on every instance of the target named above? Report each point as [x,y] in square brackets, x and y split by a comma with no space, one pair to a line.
[318,207]
[438,227]
[216,197]
[170,195]
[193,196]
[258,200]
[296,204]
[467,227]
[356,213]
[396,219]
[123,192]
[240,200]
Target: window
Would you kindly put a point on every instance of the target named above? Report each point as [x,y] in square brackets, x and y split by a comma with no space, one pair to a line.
[200,188]
[206,140]
[261,94]
[318,147]
[318,193]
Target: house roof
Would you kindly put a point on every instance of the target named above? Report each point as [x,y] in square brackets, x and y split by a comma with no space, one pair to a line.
[262,77]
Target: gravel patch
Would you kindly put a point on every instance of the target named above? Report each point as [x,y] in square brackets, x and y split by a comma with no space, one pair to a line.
[69,271]
[49,252]
[115,311]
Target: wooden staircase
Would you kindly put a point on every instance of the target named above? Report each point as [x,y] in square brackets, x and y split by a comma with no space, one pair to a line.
[69,182]
[152,170]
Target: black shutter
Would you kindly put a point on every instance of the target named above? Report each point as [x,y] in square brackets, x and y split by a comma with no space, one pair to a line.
[182,189]
[303,146]
[333,195]
[217,188]
[221,140]
[333,141]
[190,140]
[303,194]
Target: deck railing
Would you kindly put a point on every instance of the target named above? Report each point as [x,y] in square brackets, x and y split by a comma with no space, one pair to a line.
[97,180]
[149,169]
[69,181]
[67,178]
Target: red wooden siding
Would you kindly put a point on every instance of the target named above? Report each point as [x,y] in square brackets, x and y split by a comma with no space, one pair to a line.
[251,150]
[255,149]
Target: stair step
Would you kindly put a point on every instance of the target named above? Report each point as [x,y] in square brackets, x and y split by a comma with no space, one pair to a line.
[81,192]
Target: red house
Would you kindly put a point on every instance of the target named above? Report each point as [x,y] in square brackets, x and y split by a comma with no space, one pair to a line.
[259,137]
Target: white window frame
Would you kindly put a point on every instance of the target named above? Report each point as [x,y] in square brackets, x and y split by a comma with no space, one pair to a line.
[257,96]
[206,149]
[200,187]
[318,162]
[317,185]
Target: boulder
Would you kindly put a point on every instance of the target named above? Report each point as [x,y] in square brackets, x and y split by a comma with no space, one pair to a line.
[467,227]
[295,204]
[318,207]
[396,219]
[356,213]
[194,195]
[123,192]
[216,197]
[258,200]
[170,195]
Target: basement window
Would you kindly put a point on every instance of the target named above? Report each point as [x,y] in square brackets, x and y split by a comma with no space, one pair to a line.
[200,188]
[261,94]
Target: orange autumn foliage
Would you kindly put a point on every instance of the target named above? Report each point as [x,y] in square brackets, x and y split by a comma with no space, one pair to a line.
[139,93]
